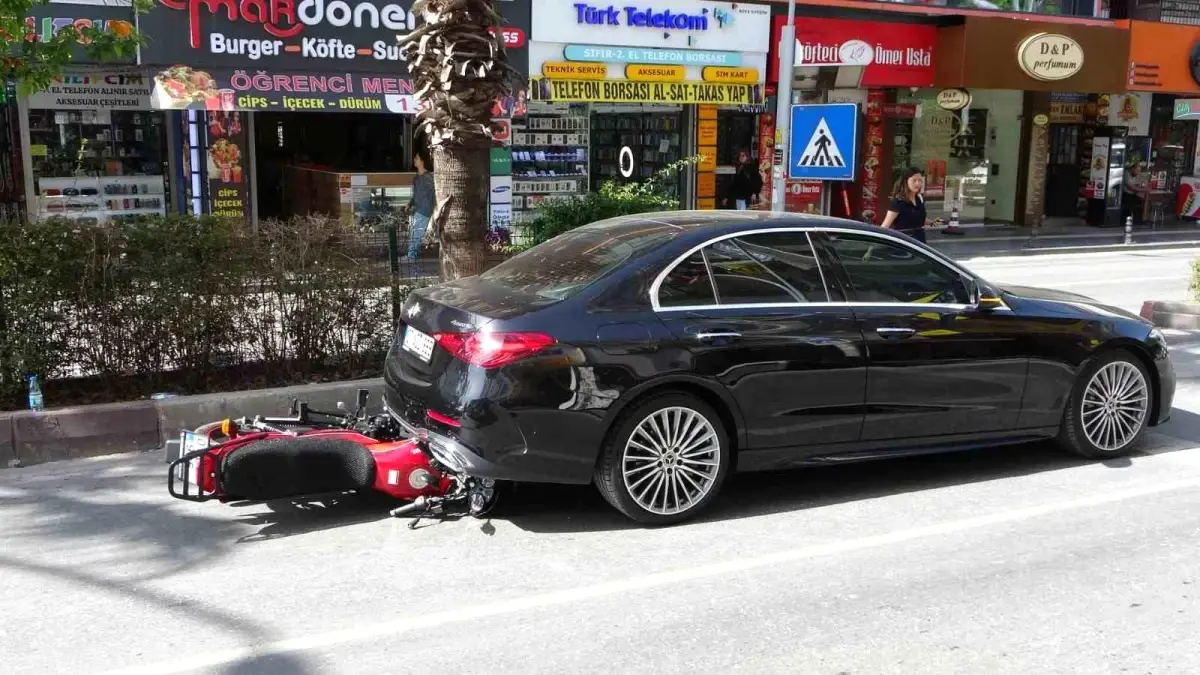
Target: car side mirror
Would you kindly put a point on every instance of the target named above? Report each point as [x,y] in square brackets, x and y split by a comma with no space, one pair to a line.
[983,298]
[989,303]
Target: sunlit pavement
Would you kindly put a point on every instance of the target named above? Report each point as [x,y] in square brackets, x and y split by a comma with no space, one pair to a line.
[1018,560]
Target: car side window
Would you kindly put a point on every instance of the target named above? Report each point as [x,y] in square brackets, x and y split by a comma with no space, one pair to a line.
[687,285]
[743,280]
[790,256]
[883,271]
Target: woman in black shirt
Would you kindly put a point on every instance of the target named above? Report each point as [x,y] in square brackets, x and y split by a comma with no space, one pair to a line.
[907,210]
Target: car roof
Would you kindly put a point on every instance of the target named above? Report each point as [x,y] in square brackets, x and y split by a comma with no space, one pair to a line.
[728,221]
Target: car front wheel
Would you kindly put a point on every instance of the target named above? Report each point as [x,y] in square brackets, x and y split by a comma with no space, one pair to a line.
[666,461]
[1109,407]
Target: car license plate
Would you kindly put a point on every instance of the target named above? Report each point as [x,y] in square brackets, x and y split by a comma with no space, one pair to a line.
[190,442]
[418,343]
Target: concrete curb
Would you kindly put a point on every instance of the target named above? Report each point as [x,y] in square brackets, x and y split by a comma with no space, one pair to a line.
[84,431]
[28,437]
[1062,250]
[8,453]
[176,415]
[1108,232]
[1178,315]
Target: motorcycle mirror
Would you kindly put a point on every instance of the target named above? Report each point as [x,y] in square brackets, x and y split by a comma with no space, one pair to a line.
[341,405]
[363,396]
[295,406]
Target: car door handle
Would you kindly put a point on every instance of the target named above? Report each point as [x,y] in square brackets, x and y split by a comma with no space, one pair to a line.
[705,337]
[895,333]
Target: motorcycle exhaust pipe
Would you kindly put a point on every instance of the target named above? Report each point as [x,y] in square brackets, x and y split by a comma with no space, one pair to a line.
[419,504]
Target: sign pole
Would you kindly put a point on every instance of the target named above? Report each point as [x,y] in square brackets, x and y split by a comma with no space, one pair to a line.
[783,108]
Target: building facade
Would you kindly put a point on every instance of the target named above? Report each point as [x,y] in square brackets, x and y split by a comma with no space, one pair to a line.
[1015,118]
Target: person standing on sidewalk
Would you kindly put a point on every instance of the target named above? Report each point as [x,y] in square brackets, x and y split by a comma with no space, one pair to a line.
[422,203]
[746,184]
[906,213]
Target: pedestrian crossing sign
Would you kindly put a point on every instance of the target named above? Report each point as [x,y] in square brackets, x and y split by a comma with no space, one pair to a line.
[823,142]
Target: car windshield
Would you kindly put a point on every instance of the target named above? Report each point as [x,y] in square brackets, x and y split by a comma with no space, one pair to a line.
[565,265]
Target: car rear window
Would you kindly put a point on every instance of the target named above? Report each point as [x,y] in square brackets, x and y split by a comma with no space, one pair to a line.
[565,265]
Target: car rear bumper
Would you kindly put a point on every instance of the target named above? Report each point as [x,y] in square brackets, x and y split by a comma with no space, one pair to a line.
[497,449]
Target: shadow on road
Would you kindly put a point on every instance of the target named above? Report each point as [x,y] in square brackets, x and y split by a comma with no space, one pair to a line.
[53,517]
[567,508]
[1184,426]
[560,509]
[540,508]
[288,518]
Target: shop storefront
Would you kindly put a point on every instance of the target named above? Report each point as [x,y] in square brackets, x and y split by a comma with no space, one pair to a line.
[875,65]
[620,93]
[97,149]
[90,147]
[1034,96]
[1164,75]
[284,112]
[959,102]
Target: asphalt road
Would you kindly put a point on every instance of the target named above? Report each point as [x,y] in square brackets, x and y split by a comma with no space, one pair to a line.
[1022,560]
[1121,279]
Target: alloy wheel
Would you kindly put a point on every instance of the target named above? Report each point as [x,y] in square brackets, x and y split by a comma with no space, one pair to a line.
[1114,406]
[671,460]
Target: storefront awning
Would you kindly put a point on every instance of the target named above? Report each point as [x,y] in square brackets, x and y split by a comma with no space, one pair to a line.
[187,88]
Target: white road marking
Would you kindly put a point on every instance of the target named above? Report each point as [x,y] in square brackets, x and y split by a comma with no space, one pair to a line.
[1104,282]
[424,622]
[1034,261]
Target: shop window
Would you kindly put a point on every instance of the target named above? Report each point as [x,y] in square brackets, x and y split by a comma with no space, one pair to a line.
[12,184]
[549,156]
[96,165]
[654,134]
[971,154]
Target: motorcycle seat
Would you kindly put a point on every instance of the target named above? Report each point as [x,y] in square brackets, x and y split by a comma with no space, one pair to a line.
[281,468]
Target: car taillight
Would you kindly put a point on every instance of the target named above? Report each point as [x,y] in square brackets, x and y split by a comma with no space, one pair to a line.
[492,350]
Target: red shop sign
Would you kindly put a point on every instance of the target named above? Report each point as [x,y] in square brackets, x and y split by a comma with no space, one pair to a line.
[890,54]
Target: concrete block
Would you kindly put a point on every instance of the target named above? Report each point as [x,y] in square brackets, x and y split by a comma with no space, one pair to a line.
[85,431]
[184,413]
[1188,308]
[1178,315]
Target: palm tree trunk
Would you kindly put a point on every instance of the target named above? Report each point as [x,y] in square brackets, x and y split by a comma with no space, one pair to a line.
[460,173]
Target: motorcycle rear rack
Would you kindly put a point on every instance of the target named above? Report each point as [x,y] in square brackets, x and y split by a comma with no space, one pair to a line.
[183,473]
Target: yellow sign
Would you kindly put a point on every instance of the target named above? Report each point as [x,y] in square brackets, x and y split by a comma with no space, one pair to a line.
[625,91]
[707,112]
[647,73]
[708,159]
[38,151]
[730,75]
[578,71]
[706,185]
[708,204]
[706,132]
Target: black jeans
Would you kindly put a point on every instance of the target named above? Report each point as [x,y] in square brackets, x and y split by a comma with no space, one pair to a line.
[1131,205]
[918,234]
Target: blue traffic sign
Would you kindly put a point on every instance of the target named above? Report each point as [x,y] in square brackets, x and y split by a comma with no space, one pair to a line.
[824,141]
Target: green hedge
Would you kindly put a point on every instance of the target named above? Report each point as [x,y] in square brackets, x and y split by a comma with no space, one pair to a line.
[187,305]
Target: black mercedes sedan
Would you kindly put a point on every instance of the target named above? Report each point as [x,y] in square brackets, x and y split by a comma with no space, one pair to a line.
[654,354]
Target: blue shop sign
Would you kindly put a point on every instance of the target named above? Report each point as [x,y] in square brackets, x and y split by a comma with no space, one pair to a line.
[648,17]
[674,57]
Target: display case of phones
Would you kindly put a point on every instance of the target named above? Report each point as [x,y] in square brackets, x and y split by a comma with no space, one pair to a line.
[100,199]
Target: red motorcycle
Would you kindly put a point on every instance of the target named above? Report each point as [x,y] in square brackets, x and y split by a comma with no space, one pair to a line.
[313,455]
